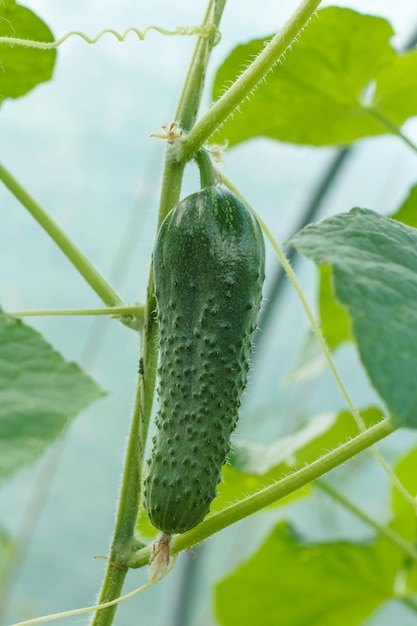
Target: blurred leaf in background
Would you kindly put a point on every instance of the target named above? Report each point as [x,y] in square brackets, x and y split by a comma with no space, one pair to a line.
[322,99]
[40,393]
[21,69]
[407,213]
[374,263]
[337,582]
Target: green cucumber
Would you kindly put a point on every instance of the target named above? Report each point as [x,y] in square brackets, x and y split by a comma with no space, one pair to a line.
[209,263]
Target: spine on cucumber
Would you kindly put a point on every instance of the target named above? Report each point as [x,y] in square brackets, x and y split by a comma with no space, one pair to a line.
[209,263]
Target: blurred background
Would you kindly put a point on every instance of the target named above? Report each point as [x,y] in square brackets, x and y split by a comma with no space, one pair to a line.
[80,145]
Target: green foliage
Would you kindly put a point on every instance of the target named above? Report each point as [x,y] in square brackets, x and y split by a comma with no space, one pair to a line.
[290,582]
[39,394]
[374,262]
[21,69]
[341,81]
[323,583]
[326,90]
[335,322]
[405,520]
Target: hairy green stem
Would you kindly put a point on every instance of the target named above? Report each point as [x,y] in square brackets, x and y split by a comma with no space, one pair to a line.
[389,534]
[93,277]
[123,537]
[124,532]
[190,98]
[246,82]
[187,110]
[140,34]
[205,166]
[299,479]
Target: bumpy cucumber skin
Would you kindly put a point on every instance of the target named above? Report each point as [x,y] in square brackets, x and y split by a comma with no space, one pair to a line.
[209,263]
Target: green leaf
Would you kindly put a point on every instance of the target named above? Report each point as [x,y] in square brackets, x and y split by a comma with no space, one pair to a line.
[254,466]
[39,394]
[21,69]
[288,582]
[326,89]
[396,88]
[335,322]
[374,262]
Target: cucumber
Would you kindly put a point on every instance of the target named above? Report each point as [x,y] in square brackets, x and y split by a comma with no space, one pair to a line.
[209,262]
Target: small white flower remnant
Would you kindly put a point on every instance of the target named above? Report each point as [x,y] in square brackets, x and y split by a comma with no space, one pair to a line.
[217,151]
[160,557]
[172,133]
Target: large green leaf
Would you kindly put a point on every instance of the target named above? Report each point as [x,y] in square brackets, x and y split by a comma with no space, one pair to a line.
[326,88]
[287,582]
[39,393]
[21,69]
[334,320]
[374,262]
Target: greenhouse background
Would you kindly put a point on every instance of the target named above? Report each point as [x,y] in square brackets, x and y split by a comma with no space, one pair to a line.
[81,145]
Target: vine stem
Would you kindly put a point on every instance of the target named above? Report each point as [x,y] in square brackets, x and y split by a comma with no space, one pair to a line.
[123,537]
[203,31]
[88,609]
[93,277]
[246,82]
[299,479]
[390,126]
[136,310]
[187,109]
[207,177]
[389,534]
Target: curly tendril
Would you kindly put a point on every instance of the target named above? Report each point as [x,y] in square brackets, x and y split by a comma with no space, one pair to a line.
[202,31]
